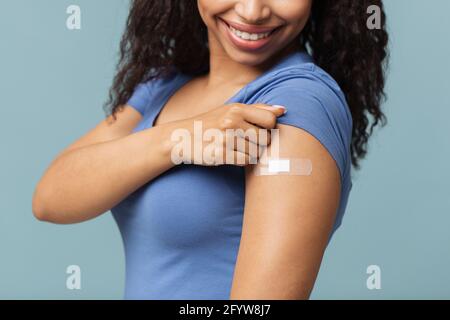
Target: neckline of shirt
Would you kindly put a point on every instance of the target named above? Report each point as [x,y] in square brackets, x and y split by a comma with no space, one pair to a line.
[294,59]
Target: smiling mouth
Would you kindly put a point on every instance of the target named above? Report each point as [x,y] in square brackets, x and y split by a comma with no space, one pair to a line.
[248,35]
[251,36]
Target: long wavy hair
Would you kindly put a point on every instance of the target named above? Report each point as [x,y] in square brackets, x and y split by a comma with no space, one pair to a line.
[160,34]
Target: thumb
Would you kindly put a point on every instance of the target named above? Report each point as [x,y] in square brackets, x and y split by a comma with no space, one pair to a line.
[278,110]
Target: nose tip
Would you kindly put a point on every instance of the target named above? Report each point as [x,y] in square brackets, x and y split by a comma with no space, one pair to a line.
[252,11]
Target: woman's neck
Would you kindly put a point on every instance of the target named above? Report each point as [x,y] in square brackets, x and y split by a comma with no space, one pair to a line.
[225,71]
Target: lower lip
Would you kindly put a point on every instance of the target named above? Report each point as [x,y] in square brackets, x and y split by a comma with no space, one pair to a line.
[247,45]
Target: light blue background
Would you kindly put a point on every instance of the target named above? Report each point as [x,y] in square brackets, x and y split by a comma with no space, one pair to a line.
[53,83]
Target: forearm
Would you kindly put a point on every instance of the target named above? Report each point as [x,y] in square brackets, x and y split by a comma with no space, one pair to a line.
[86,182]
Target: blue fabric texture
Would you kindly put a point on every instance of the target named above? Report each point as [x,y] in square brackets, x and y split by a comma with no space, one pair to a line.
[181,231]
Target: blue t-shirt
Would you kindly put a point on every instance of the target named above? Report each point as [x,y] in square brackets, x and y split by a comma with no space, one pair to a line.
[181,231]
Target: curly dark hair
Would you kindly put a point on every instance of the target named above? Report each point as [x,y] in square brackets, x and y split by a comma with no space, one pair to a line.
[161,34]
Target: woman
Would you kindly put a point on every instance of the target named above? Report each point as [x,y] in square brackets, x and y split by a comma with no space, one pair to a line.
[209,230]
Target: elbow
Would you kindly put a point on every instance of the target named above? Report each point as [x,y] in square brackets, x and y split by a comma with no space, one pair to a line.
[40,214]
[46,207]
[41,209]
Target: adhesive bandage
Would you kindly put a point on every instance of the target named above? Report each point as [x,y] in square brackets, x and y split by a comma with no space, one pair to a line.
[284,166]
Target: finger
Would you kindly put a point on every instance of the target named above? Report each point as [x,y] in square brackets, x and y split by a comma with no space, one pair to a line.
[247,147]
[235,141]
[238,158]
[259,117]
[254,134]
[275,109]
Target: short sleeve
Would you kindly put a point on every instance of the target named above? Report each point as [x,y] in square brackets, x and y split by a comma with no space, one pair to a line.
[140,99]
[152,91]
[315,104]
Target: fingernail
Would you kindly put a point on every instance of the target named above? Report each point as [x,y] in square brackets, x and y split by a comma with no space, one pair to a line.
[280,107]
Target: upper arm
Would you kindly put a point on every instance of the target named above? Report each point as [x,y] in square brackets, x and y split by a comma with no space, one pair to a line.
[288,219]
[287,222]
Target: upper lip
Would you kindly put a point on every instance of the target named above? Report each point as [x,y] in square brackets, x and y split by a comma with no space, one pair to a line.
[249,28]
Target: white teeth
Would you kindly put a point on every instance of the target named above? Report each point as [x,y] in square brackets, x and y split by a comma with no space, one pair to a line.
[249,36]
